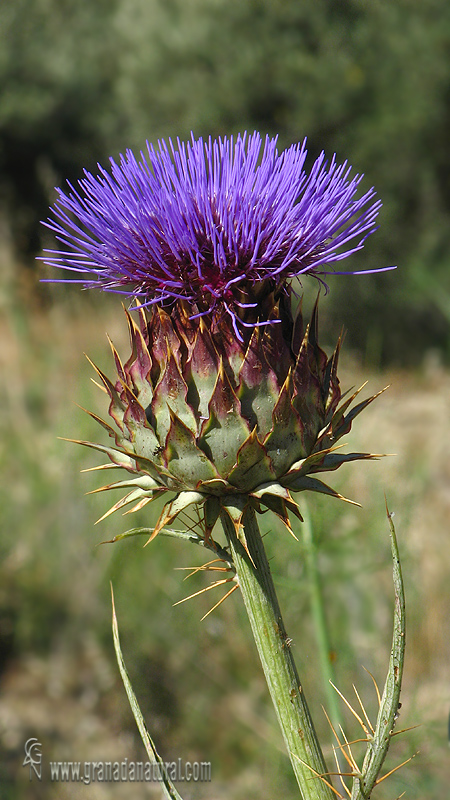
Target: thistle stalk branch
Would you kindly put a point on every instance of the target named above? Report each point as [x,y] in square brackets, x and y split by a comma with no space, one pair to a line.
[272,642]
[390,700]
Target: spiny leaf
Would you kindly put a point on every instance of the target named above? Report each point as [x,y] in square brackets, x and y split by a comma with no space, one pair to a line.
[235,506]
[225,430]
[136,494]
[171,391]
[284,443]
[211,514]
[139,364]
[153,755]
[117,406]
[175,507]
[389,704]
[258,387]
[182,456]
[305,483]
[277,498]
[203,368]
[135,412]
[111,432]
[253,466]
[327,461]
[142,482]
[344,428]
[118,457]
[272,488]
[118,362]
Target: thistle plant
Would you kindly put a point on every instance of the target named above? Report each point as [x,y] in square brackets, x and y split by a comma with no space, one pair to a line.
[227,403]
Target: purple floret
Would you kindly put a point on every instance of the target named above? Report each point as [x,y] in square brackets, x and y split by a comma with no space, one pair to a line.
[204,221]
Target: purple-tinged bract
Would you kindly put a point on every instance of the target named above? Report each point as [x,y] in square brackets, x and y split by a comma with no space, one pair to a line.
[222,424]
[217,223]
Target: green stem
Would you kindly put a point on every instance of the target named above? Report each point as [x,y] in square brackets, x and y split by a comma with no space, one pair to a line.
[320,622]
[258,591]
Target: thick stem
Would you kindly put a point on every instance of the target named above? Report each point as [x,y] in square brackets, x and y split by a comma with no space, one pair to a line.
[270,636]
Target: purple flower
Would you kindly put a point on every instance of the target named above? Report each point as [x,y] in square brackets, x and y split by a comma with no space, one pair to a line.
[209,222]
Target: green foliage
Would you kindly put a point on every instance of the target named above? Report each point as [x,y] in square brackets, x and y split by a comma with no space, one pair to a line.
[57,70]
[367,80]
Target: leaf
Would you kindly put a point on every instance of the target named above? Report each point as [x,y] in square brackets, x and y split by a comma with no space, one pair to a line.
[166,784]
[389,703]
[135,413]
[235,506]
[128,534]
[253,465]
[285,442]
[175,507]
[225,430]
[140,495]
[211,513]
[118,457]
[272,488]
[139,364]
[117,406]
[184,459]
[346,424]
[171,393]
[278,506]
[327,461]
[202,373]
[141,481]
[305,483]
[278,499]
[258,389]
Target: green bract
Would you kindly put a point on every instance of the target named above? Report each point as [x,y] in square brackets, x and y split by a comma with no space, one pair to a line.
[221,423]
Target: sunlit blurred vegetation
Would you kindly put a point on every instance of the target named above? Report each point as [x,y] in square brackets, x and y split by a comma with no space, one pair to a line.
[82,82]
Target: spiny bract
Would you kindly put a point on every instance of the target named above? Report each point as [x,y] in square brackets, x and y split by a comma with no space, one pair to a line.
[222,423]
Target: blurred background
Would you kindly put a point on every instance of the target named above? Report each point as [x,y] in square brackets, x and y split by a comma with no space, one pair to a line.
[369,81]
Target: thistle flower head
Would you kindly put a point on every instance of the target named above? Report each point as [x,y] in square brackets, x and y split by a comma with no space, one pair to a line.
[220,224]
[218,403]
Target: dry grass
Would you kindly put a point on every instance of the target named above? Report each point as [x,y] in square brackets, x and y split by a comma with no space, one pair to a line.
[206,697]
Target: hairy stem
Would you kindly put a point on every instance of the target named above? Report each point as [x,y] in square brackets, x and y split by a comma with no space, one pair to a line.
[270,636]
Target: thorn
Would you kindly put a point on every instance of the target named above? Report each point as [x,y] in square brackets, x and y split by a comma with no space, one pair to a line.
[99,386]
[322,778]
[341,746]
[199,569]
[396,768]
[363,710]
[350,708]
[353,741]
[404,730]
[233,589]
[354,765]
[201,591]
[194,523]
[101,466]
[375,684]
[203,567]
[341,777]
